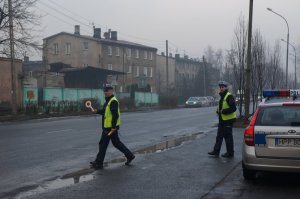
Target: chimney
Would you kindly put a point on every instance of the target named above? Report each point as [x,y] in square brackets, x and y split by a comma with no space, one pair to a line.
[77,30]
[97,33]
[26,59]
[177,56]
[106,35]
[162,54]
[114,35]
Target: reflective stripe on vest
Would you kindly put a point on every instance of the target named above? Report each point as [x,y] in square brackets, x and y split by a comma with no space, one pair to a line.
[225,105]
[108,114]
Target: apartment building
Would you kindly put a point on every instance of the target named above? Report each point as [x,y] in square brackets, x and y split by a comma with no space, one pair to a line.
[136,62]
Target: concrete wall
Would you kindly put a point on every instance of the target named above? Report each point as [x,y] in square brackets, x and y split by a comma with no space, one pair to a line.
[5,81]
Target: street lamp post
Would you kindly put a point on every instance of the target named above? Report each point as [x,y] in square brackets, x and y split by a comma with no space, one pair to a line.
[287,45]
[295,83]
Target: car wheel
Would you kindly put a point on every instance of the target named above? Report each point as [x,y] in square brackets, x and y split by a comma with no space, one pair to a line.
[248,174]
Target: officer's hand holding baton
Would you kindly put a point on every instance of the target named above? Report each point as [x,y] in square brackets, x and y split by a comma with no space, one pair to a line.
[88,104]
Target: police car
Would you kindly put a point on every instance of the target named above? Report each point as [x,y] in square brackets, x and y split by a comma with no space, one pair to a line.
[272,139]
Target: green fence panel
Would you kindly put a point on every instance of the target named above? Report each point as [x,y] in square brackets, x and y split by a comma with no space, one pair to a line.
[30,95]
[155,98]
[120,95]
[52,94]
[138,98]
[70,94]
[148,98]
[98,94]
[84,94]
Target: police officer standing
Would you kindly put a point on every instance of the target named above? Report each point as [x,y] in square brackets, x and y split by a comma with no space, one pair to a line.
[110,126]
[227,116]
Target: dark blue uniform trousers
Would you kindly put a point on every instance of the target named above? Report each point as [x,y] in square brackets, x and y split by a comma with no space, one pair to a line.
[103,144]
[226,133]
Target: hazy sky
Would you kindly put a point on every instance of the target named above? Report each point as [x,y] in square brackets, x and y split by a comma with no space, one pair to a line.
[189,25]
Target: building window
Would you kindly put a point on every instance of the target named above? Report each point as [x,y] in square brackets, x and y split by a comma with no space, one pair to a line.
[145,71]
[137,53]
[128,51]
[145,54]
[109,49]
[85,45]
[150,56]
[129,69]
[109,67]
[137,71]
[55,49]
[121,89]
[68,48]
[151,72]
[117,51]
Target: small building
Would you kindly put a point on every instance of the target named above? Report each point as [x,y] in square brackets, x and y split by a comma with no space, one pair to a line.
[6,83]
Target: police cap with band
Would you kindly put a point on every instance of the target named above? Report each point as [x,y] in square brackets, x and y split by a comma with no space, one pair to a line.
[223,83]
[107,87]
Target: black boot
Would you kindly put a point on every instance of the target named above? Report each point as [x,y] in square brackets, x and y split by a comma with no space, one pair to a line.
[129,159]
[213,153]
[97,166]
[227,155]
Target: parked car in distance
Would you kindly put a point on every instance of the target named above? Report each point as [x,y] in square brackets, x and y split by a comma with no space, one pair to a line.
[272,139]
[211,100]
[196,102]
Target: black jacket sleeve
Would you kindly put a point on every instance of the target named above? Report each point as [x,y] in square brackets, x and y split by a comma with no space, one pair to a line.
[114,107]
[100,111]
[232,106]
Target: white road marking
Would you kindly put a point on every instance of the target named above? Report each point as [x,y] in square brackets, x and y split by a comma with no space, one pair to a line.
[60,131]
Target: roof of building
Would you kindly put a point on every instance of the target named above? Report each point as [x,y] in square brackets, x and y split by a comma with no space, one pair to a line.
[106,41]
[91,68]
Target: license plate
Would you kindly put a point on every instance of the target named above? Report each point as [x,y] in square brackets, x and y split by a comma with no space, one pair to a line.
[287,142]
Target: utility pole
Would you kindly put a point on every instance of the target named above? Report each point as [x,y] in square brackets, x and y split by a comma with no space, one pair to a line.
[248,69]
[204,77]
[167,67]
[12,56]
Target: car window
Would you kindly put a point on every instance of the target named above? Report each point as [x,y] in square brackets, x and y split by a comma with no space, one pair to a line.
[279,116]
[192,99]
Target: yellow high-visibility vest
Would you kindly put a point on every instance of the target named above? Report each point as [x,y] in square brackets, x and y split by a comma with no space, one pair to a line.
[225,105]
[108,114]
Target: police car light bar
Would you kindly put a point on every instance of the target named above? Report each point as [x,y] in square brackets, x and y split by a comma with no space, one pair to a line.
[281,93]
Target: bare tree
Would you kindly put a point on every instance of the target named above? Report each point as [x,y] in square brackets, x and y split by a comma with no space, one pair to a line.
[276,74]
[259,71]
[237,57]
[25,21]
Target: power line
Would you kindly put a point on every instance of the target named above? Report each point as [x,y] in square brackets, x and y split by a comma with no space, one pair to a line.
[62,20]
[60,12]
[144,40]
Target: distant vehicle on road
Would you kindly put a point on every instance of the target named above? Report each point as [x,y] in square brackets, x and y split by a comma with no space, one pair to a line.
[272,140]
[196,102]
[211,100]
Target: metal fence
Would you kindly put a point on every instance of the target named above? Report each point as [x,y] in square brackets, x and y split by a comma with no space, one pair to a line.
[72,99]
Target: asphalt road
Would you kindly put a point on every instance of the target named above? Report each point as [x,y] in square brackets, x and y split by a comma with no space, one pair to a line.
[185,171]
[33,152]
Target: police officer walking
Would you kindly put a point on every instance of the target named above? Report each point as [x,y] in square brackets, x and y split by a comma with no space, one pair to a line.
[227,116]
[110,126]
